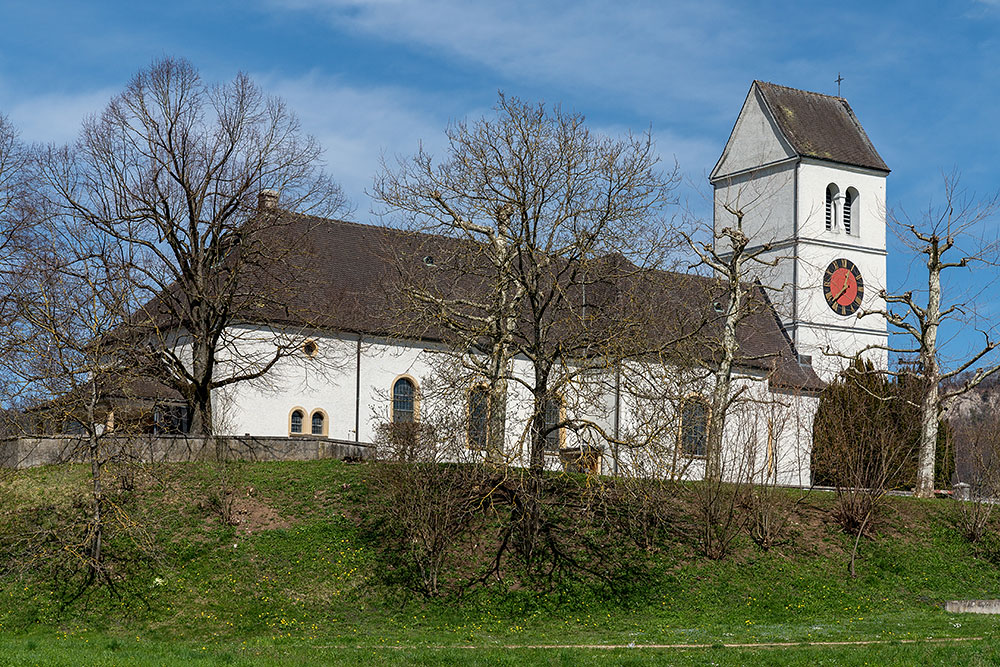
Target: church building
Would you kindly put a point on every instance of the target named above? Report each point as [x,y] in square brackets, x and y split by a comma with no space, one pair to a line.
[810,188]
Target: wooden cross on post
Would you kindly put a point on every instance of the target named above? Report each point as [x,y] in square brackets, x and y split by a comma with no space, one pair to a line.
[838,80]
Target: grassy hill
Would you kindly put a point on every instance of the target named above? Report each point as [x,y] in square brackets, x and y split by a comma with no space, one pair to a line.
[285,562]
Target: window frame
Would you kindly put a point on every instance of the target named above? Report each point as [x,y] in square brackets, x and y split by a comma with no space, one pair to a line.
[302,423]
[325,430]
[416,399]
[693,399]
[468,418]
[561,431]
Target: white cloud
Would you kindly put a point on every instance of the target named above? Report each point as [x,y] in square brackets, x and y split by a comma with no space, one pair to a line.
[356,126]
[55,117]
[634,50]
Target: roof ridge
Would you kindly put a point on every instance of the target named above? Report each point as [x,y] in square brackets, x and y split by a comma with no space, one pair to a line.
[819,126]
[802,90]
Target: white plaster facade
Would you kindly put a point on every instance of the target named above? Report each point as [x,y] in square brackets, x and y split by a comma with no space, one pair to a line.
[350,380]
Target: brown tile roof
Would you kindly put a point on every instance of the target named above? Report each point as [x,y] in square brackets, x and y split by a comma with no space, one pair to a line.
[348,279]
[820,126]
[343,276]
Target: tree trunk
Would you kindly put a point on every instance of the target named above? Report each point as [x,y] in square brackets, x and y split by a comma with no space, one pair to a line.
[716,426]
[201,412]
[930,405]
[537,433]
[201,392]
[928,441]
[724,374]
[96,546]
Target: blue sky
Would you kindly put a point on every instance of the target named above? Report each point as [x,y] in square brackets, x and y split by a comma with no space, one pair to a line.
[375,77]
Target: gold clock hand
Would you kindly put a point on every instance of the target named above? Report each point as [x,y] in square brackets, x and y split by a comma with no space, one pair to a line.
[841,292]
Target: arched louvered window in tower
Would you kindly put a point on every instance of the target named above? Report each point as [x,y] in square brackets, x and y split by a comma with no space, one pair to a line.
[850,212]
[831,207]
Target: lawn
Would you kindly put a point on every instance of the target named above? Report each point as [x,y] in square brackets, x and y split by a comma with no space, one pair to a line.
[294,576]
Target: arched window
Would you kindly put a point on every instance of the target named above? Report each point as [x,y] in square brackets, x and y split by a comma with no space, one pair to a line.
[479,417]
[295,421]
[404,394]
[850,201]
[553,416]
[694,427]
[318,422]
[831,206]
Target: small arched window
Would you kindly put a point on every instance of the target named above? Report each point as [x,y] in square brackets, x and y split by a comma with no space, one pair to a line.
[850,214]
[404,394]
[694,427]
[553,417]
[318,423]
[479,417]
[831,206]
[295,422]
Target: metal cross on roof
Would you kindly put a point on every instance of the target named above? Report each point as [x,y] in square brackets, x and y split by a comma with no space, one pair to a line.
[838,80]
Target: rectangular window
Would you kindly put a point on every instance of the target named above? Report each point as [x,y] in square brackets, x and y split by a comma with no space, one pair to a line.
[694,427]
[479,415]
[553,416]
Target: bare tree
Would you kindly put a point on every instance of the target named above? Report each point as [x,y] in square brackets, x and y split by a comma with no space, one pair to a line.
[16,215]
[70,292]
[735,257]
[546,216]
[945,238]
[171,170]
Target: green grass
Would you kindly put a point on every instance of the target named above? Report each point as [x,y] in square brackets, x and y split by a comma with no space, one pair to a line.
[100,650]
[309,588]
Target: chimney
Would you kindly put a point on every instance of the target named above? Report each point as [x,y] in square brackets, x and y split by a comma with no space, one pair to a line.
[267,200]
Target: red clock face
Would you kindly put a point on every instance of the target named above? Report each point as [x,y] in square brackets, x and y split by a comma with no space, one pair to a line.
[843,287]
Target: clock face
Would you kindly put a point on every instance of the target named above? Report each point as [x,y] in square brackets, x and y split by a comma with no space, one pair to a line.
[843,287]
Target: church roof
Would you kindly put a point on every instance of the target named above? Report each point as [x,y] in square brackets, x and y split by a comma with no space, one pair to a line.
[348,279]
[820,126]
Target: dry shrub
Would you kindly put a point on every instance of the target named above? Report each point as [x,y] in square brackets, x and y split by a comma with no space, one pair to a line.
[718,515]
[768,510]
[975,424]
[971,518]
[640,509]
[426,512]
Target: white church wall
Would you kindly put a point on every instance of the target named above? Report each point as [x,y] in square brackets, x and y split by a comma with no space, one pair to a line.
[868,214]
[327,382]
[768,434]
[765,196]
[755,140]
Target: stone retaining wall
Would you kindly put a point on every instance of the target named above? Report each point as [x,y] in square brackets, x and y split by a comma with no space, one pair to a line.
[28,452]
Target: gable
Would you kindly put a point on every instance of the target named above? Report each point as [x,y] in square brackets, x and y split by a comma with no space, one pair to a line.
[755,141]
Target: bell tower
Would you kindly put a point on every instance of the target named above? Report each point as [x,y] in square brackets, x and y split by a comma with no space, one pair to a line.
[811,187]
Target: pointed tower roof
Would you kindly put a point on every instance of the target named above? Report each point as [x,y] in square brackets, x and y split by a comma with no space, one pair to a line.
[820,126]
